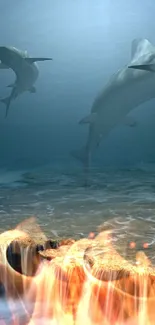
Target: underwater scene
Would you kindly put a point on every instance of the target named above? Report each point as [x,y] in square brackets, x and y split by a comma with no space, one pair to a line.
[77,162]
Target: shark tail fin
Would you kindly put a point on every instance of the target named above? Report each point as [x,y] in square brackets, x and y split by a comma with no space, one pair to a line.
[146,67]
[80,155]
[6,101]
[84,157]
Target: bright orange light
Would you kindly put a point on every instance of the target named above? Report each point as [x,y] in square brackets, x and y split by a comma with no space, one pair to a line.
[83,282]
[145,245]
[91,235]
[132,244]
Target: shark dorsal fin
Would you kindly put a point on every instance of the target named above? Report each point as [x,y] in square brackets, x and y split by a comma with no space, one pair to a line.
[26,54]
[32,60]
[140,47]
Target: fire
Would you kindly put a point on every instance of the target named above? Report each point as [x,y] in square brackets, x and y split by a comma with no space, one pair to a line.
[73,282]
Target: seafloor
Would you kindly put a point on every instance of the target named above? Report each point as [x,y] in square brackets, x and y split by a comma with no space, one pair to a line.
[64,207]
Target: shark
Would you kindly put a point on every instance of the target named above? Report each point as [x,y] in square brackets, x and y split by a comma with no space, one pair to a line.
[125,90]
[25,69]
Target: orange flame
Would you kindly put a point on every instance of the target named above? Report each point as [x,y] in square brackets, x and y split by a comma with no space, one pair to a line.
[76,283]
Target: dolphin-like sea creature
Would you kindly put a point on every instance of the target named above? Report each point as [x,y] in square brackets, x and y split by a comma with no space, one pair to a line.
[126,89]
[25,68]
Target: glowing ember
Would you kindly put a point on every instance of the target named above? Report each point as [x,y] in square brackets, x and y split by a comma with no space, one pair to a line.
[70,282]
[132,244]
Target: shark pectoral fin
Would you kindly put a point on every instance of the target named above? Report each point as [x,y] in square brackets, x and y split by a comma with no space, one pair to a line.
[130,121]
[32,60]
[32,90]
[88,119]
[146,67]
[3,66]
